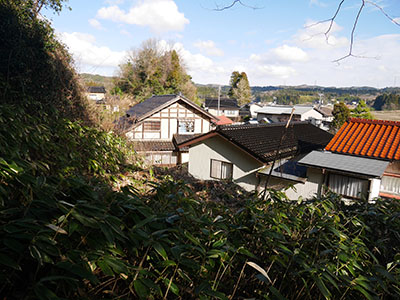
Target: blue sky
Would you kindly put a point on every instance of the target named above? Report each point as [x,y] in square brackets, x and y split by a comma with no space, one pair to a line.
[278,43]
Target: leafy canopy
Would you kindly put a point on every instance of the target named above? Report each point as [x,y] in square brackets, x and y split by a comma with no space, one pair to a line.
[151,70]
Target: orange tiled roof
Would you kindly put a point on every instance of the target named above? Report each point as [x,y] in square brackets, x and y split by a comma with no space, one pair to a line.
[369,138]
[222,120]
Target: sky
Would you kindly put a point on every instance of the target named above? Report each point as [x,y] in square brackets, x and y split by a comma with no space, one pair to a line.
[276,42]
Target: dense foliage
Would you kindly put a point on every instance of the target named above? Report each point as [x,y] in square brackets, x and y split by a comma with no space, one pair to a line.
[151,70]
[341,113]
[362,111]
[387,102]
[69,240]
[35,68]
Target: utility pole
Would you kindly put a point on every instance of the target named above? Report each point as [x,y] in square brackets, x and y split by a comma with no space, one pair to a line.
[219,98]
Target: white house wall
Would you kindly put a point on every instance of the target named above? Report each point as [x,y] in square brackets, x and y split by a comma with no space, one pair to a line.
[311,114]
[169,117]
[244,166]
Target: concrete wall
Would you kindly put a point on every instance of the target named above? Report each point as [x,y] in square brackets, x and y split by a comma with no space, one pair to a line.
[244,167]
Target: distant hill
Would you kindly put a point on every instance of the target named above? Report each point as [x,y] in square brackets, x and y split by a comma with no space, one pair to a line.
[97,80]
[211,90]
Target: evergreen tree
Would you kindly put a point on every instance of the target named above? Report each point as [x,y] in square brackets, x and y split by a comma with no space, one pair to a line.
[149,71]
[362,111]
[341,114]
[240,88]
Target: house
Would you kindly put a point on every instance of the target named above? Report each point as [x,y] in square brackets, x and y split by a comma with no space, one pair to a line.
[281,113]
[96,93]
[362,161]
[249,110]
[223,106]
[157,124]
[244,154]
[327,116]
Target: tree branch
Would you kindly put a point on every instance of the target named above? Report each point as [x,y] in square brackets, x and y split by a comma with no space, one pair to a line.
[352,33]
[233,3]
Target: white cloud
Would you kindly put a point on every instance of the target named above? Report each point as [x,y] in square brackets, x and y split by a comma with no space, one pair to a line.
[209,48]
[90,56]
[287,53]
[284,53]
[96,24]
[159,15]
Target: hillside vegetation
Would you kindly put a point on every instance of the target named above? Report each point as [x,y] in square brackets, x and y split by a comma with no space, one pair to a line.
[75,222]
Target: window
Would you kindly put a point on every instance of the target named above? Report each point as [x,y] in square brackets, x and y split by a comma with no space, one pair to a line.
[185,126]
[350,187]
[390,185]
[230,112]
[152,126]
[221,169]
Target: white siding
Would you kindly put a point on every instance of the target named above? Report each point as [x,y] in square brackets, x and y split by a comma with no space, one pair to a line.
[206,126]
[312,114]
[164,128]
[197,126]
[173,127]
[244,169]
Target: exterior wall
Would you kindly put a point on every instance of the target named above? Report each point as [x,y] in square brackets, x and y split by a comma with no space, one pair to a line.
[253,109]
[312,114]
[305,190]
[184,157]
[315,183]
[169,118]
[374,187]
[235,113]
[390,184]
[160,158]
[244,166]
[96,96]
[277,118]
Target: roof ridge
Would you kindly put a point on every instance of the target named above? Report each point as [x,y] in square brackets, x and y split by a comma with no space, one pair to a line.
[243,126]
[378,122]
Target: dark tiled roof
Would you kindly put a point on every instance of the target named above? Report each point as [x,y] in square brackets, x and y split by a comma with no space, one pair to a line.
[149,105]
[368,138]
[153,146]
[155,103]
[262,140]
[96,89]
[181,138]
[225,103]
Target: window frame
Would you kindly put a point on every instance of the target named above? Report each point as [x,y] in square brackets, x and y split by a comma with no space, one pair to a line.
[221,164]
[185,121]
[360,197]
[152,123]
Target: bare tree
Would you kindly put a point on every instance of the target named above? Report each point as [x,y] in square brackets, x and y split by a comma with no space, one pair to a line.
[331,20]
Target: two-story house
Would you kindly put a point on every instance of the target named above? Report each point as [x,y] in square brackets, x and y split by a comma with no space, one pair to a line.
[156,125]
[223,106]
